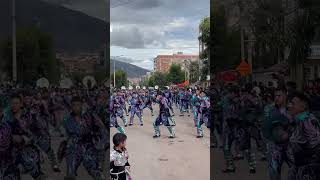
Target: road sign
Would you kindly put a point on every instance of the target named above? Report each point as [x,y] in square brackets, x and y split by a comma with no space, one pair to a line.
[244,68]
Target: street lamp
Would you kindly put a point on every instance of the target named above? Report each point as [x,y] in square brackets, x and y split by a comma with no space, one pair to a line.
[14,42]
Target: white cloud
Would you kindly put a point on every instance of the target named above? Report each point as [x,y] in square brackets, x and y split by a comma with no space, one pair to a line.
[160,27]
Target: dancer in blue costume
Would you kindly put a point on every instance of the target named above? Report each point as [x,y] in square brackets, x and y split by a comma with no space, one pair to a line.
[164,117]
[25,131]
[203,113]
[304,141]
[148,99]
[8,168]
[275,125]
[116,110]
[195,102]
[136,108]
[82,145]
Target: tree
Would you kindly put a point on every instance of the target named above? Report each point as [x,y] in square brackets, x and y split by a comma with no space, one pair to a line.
[225,42]
[121,78]
[159,79]
[100,75]
[267,22]
[302,33]
[205,36]
[194,71]
[35,56]
[176,75]
[205,39]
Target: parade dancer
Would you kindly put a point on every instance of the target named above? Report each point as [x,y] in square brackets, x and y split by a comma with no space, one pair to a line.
[80,145]
[23,128]
[168,95]
[195,102]
[8,168]
[275,124]
[181,102]
[136,108]
[188,100]
[164,117]
[119,164]
[217,127]
[128,99]
[203,113]
[234,132]
[148,102]
[42,137]
[115,111]
[304,141]
[58,109]
[123,103]
[255,124]
[122,109]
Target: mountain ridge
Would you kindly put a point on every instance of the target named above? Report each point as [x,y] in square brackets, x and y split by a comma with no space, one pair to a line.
[132,70]
[72,31]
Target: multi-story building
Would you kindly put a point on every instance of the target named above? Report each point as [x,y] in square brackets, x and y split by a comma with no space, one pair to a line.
[84,63]
[162,63]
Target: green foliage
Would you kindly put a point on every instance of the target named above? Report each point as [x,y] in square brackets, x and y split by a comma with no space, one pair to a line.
[205,29]
[100,75]
[205,38]
[35,56]
[194,71]
[268,25]
[157,78]
[226,42]
[176,75]
[160,79]
[121,78]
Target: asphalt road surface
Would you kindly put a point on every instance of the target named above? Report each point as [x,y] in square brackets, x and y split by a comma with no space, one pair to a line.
[183,158]
[242,168]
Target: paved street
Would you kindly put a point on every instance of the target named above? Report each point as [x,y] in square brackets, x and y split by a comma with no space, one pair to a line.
[242,168]
[183,158]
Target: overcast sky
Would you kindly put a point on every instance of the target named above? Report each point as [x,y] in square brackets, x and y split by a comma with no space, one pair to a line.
[143,29]
[96,8]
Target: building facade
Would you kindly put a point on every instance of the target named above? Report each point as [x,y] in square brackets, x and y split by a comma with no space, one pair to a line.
[84,63]
[162,63]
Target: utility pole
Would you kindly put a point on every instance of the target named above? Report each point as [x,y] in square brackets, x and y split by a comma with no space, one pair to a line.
[242,43]
[14,43]
[249,78]
[114,73]
[241,31]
